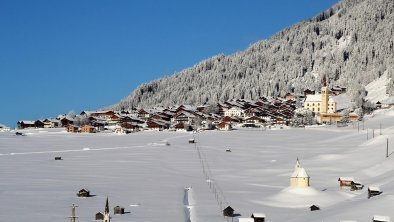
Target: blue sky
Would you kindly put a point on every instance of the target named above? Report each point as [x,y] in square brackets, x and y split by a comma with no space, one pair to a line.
[57,56]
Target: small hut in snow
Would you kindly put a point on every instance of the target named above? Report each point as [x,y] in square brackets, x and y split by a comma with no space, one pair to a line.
[379,218]
[228,212]
[258,217]
[299,178]
[374,191]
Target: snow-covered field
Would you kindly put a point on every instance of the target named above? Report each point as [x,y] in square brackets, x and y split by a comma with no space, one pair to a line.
[147,177]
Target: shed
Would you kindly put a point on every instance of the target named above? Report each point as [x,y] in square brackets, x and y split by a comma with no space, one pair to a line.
[314,207]
[99,216]
[379,218]
[374,191]
[345,181]
[118,210]
[228,212]
[83,193]
[258,217]
[356,185]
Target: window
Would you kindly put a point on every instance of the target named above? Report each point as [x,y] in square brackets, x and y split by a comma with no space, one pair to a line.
[318,109]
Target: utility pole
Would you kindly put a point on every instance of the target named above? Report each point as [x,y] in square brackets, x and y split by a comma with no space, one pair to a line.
[73,217]
[373,133]
[380,128]
[387,148]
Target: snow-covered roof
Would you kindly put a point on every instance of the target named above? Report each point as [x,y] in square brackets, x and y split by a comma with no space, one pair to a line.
[346,179]
[299,172]
[381,218]
[245,220]
[313,98]
[27,122]
[374,188]
[259,215]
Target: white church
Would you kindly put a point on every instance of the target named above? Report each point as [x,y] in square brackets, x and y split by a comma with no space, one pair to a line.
[299,178]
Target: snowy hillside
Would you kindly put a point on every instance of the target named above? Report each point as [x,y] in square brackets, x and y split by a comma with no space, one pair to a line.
[351,44]
[147,177]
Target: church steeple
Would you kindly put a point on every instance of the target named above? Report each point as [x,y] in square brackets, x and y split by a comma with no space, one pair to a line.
[107,217]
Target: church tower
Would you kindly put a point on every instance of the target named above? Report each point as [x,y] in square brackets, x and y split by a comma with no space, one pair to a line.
[299,178]
[107,217]
[324,99]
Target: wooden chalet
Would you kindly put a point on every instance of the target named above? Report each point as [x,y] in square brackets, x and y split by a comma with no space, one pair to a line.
[157,125]
[228,212]
[26,124]
[118,210]
[99,114]
[72,128]
[249,112]
[88,129]
[258,217]
[143,114]
[66,121]
[83,193]
[254,119]
[224,126]
[180,127]
[133,127]
[374,191]
[185,117]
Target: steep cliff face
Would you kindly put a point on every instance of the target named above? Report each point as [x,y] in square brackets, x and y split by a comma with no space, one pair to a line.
[350,44]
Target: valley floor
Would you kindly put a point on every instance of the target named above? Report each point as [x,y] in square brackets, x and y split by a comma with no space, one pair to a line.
[144,174]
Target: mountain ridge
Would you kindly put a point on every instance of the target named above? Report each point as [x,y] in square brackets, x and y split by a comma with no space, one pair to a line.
[350,44]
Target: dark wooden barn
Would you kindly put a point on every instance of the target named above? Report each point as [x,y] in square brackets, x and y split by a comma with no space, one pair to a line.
[374,191]
[314,207]
[83,193]
[118,210]
[228,212]
[99,216]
